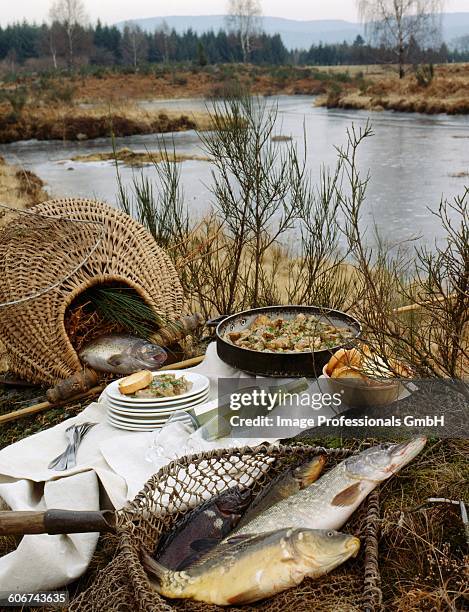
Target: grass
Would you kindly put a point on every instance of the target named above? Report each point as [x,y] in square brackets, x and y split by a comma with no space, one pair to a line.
[383,90]
[136,158]
[19,189]
[73,122]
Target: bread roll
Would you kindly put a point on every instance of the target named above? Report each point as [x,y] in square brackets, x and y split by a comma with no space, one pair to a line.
[135,382]
[335,361]
[353,358]
[347,372]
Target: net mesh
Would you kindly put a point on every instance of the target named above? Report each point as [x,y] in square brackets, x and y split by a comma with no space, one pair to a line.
[183,484]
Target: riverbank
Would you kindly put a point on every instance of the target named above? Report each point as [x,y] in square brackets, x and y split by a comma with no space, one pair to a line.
[74,122]
[447,91]
[19,189]
[65,107]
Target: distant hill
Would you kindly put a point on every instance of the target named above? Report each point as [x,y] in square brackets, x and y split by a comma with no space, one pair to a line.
[296,34]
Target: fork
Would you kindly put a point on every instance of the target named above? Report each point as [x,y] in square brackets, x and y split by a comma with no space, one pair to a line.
[68,459]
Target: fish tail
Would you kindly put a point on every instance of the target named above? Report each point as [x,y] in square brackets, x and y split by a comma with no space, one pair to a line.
[310,472]
[157,571]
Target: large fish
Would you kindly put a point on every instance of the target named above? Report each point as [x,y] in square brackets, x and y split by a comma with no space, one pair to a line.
[251,568]
[329,502]
[285,484]
[122,354]
[203,528]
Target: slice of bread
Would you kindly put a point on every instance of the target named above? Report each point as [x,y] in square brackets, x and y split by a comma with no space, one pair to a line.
[135,382]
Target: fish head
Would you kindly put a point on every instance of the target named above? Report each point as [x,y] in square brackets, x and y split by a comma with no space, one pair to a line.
[380,462]
[234,501]
[150,356]
[324,548]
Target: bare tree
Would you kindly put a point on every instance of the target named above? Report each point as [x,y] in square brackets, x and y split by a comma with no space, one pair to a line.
[134,45]
[52,41]
[164,33]
[244,19]
[401,24]
[71,15]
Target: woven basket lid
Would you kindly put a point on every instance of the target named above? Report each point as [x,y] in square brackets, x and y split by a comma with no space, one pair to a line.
[96,244]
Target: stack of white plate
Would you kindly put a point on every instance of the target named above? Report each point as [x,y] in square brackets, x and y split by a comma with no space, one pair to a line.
[147,414]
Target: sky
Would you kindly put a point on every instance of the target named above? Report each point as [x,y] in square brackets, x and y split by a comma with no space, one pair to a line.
[110,11]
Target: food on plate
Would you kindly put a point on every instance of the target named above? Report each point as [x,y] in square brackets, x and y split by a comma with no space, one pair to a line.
[365,365]
[301,334]
[285,484]
[329,502]
[203,528]
[159,385]
[122,354]
[133,383]
[251,568]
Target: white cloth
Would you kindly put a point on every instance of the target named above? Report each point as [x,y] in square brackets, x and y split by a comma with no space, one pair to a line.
[108,457]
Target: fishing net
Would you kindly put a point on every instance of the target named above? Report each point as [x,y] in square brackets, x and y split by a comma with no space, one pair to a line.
[183,484]
[52,254]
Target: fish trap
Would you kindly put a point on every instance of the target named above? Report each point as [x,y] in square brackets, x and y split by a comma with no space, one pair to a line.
[50,256]
[187,482]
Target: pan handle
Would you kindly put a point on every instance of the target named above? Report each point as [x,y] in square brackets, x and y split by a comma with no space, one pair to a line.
[212,323]
[55,521]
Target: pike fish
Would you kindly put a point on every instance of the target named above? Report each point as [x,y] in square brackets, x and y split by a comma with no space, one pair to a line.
[329,502]
[251,568]
[122,354]
[203,528]
[287,483]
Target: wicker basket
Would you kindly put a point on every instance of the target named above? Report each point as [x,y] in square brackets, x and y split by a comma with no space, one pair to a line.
[33,331]
[123,585]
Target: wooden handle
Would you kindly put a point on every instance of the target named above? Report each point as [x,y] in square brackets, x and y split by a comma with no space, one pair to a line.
[182,365]
[18,414]
[54,522]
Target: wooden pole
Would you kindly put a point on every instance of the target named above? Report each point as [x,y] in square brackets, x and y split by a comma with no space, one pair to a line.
[412,307]
[53,522]
[43,406]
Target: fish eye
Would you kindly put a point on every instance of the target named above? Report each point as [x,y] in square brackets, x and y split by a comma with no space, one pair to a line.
[330,534]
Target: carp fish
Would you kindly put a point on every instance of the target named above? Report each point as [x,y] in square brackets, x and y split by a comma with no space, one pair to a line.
[203,528]
[329,502]
[250,568]
[122,354]
[285,484]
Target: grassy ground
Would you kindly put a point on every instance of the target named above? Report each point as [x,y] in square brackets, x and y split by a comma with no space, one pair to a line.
[19,189]
[379,88]
[76,108]
[136,158]
[73,122]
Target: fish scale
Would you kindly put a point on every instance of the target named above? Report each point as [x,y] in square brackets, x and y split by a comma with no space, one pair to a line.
[311,507]
[254,567]
[330,501]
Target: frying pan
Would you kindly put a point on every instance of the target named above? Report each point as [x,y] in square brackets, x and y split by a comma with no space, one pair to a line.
[298,364]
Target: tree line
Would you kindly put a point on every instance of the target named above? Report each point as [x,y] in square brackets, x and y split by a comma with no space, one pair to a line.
[52,46]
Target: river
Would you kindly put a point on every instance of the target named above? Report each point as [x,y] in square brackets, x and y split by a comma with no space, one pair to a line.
[413,161]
